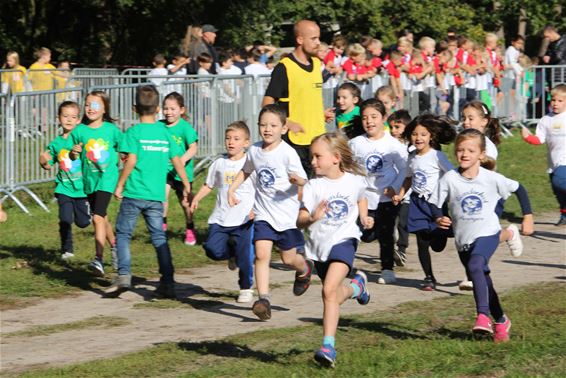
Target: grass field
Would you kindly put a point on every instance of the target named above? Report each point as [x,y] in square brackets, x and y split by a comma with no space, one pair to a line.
[416,339]
[30,266]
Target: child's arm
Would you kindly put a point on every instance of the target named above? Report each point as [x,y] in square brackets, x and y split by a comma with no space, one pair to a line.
[76,151]
[404,188]
[530,138]
[129,165]
[240,178]
[305,218]
[527,226]
[45,160]
[180,169]
[365,219]
[203,192]
[296,179]
[190,153]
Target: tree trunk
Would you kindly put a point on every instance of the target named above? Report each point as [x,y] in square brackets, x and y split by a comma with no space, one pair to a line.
[522,29]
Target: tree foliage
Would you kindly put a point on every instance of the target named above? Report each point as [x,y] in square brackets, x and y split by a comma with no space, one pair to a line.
[130,32]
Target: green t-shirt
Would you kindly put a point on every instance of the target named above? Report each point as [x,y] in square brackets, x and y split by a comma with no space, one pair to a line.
[344,119]
[154,147]
[99,156]
[69,179]
[184,135]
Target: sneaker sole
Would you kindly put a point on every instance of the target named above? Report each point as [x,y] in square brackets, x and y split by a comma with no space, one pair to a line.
[398,260]
[261,311]
[325,361]
[190,243]
[367,291]
[115,292]
[466,288]
[482,333]
[97,272]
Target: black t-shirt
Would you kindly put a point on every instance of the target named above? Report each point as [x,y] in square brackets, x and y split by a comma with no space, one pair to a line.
[279,84]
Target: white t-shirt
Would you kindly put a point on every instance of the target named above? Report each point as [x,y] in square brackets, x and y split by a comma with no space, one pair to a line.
[551,129]
[425,171]
[472,202]
[385,163]
[511,62]
[276,199]
[490,149]
[158,72]
[221,174]
[339,224]
[256,69]
[229,90]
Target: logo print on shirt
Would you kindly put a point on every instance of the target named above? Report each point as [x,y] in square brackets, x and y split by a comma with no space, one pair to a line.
[66,164]
[471,205]
[266,178]
[419,180]
[97,150]
[374,163]
[337,209]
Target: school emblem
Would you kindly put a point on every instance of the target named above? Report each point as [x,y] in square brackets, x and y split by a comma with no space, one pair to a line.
[265,178]
[471,205]
[337,209]
[374,163]
[419,180]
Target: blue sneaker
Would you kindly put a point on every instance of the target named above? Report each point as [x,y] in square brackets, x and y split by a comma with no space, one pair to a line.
[326,356]
[361,280]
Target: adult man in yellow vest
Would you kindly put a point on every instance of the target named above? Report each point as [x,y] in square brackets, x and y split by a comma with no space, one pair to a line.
[296,84]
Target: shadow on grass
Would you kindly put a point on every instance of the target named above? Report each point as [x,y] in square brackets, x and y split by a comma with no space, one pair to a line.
[228,349]
[47,262]
[528,263]
[511,217]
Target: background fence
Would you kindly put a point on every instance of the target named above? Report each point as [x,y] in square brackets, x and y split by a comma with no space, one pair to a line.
[28,119]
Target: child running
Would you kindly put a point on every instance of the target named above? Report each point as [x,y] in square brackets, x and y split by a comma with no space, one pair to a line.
[385,161]
[427,164]
[347,102]
[95,141]
[551,130]
[476,115]
[230,229]
[141,189]
[472,193]
[279,176]
[331,206]
[186,138]
[69,189]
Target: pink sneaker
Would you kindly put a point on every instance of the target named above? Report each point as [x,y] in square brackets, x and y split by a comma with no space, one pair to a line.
[502,331]
[190,237]
[164,227]
[483,326]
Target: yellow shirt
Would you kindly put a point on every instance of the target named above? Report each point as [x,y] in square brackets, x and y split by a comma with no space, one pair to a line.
[305,101]
[15,80]
[41,76]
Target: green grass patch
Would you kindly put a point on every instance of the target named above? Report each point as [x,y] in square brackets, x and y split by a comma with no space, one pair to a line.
[98,322]
[417,339]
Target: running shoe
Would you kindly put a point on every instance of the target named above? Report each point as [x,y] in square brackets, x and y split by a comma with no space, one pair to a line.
[303,281]
[361,280]
[387,277]
[262,309]
[483,326]
[96,268]
[326,356]
[515,244]
[502,331]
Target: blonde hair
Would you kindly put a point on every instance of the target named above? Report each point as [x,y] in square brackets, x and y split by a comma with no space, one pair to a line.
[42,51]
[491,37]
[191,37]
[404,41]
[559,90]
[375,42]
[426,41]
[14,55]
[238,126]
[486,162]
[386,90]
[356,49]
[338,144]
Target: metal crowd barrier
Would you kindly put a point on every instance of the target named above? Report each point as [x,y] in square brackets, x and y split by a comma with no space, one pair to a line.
[95,71]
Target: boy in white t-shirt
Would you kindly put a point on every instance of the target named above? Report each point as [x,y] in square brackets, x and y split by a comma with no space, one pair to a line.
[158,69]
[230,228]
[279,176]
[551,130]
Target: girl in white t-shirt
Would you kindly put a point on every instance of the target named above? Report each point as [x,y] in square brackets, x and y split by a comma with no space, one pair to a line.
[331,206]
[427,164]
[472,193]
[385,161]
[476,115]
[279,176]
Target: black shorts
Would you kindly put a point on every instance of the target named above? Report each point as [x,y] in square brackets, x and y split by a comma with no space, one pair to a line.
[99,201]
[176,185]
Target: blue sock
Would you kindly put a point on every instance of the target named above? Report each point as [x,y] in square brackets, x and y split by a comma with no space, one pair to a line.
[328,340]
[357,290]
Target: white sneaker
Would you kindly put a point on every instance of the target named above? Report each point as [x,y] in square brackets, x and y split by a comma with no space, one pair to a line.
[96,268]
[387,277]
[67,255]
[232,263]
[246,296]
[466,285]
[515,244]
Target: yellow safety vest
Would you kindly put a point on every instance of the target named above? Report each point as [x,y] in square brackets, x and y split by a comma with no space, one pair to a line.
[305,101]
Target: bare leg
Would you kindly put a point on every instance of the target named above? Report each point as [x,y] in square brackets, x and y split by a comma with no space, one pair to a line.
[293,259]
[262,259]
[334,293]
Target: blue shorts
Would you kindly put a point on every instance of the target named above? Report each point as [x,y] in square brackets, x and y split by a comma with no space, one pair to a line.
[284,240]
[420,218]
[484,246]
[342,252]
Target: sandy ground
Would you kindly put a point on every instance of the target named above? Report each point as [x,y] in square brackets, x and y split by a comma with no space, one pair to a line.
[208,310]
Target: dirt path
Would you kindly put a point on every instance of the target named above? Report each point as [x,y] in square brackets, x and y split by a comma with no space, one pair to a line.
[206,311]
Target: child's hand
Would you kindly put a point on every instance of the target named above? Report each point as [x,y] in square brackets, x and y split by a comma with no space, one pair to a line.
[525,132]
[251,215]
[396,199]
[389,192]
[367,222]
[296,180]
[319,212]
[444,222]
[118,192]
[194,205]
[76,151]
[329,114]
[186,195]
[528,225]
[44,158]
[232,199]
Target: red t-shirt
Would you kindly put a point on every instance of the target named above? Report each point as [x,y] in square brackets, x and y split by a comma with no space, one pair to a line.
[352,68]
